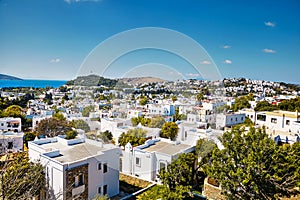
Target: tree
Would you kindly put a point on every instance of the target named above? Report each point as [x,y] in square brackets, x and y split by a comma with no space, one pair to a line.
[173,98]
[52,127]
[179,172]
[164,192]
[80,124]
[143,100]
[265,106]
[71,134]
[157,122]
[21,179]
[140,119]
[106,136]
[169,130]
[86,111]
[204,150]
[251,166]
[13,111]
[29,136]
[135,137]
[199,97]
[240,103]
[58,115]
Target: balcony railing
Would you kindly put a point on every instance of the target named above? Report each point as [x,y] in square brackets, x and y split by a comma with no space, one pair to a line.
[78,190]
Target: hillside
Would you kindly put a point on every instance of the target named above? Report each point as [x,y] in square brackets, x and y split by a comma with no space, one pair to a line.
[141,80]
[7,77]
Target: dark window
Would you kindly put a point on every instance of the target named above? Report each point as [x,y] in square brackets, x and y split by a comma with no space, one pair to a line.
[274,120]
[10,145]
[99,166]
[104,167]
[79,180]
[138,161]
[2,124]
[104,189]
[287,122]
[99,190]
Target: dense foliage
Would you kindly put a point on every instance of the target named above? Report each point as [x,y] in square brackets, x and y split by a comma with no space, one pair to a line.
[80,124]
[251,166]
[169,130]
[52,127]
[21,179]
[135,137]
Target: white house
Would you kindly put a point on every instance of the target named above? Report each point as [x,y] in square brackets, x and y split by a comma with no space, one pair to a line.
[11,142]
[10,124]
[146,160]
[161,109]
[229,119]
[279,120]
[78,168]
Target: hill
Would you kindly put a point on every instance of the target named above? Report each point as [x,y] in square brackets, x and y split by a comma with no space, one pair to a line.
[95,80]
[7,77]
[141,80]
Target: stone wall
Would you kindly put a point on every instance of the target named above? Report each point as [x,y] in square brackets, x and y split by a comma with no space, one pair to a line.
[71,174]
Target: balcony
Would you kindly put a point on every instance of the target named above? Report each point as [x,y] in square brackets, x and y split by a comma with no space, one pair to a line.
[78,190]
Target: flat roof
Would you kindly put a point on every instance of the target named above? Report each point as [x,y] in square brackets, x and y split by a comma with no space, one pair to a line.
[281,112]
[72,153]
[166,148]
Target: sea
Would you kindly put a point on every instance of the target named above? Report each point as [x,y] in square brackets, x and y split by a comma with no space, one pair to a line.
[32,83]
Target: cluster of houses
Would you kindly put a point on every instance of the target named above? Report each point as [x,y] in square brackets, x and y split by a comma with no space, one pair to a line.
[84,168]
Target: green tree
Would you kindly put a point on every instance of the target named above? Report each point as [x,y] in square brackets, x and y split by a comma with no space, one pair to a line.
[14,111]
[140,119]
[173,98]
[135,137]
[21,179]
[143,100]
[199,97]
[204,150]
[29,136]
[80,124]
[71,134]
[180,172]
[251,166]
[86,111]
[240,103]
[52,127]
[106,136]
[163,192]
[58,115]
[157,122]
[265,106]
[169,130]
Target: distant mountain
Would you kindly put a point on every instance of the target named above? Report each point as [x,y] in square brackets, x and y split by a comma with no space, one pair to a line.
[141,80]
[7,77]
[95,80]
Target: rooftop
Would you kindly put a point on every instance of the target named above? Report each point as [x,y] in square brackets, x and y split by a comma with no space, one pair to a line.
[166,148]
[63,152]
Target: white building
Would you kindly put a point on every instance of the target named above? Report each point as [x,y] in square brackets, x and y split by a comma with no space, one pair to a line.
[279,120]
[78,168]
[161,109]
[11,142]
[229,119]
[146,160]
[10,124]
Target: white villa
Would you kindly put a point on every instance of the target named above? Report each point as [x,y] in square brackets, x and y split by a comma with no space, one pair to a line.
[78,168]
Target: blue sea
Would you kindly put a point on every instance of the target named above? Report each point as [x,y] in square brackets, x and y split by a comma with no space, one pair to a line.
[31,83]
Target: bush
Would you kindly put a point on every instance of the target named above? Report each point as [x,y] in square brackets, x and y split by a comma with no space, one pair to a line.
[71,134]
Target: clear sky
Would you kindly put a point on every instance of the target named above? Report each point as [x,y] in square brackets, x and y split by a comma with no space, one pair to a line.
[49,39]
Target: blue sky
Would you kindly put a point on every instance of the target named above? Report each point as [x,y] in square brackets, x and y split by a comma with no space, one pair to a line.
[49,39]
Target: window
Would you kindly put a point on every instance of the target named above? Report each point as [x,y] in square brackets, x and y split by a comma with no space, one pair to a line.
[10,145]
[99,166]
[2,124]
[274,120]
[287,122]
[104,189]
[99,190]
[242,118]
[138,161]
[79,180]
[236,119]
[104,167]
